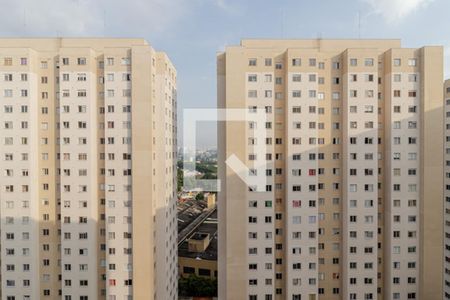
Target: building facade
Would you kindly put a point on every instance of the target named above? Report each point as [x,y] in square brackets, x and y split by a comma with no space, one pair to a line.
[352,202]
[88,162]
[447,191]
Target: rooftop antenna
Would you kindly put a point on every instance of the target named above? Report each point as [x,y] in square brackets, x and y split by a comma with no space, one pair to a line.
[283,17]
[359,24]
[319,40]
[104,22]
[25,20]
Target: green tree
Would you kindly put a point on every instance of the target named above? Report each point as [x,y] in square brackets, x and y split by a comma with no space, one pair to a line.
[179,179]
[196,286]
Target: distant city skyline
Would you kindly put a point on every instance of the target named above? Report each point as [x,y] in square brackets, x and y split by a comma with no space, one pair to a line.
[193,31]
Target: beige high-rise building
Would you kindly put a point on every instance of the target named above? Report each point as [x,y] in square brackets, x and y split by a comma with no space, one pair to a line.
[88,134]
[447,191]
[352,206]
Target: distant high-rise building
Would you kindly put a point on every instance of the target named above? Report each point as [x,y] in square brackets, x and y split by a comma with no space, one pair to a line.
[352,207]
[88,158]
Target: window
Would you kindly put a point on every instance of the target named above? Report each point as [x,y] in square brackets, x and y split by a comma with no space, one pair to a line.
[412,62]
[7,61]
[252,94]
[296,62]
[252,78]
[8,93]
[368,62]
[412,77]
[252,62]
[125,61]
[110,61]
[296,94]
[296,109]
[412,124]
[81,77]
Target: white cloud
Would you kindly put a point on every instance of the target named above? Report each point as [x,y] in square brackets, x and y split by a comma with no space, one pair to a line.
[90,17]
[222,4]
[396,10]
[227,7]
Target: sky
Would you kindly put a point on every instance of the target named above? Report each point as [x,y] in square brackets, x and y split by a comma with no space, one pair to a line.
[193,31]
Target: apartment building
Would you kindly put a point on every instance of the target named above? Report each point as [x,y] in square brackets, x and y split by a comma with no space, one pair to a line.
[88,158]
[351,205]
[447,191]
